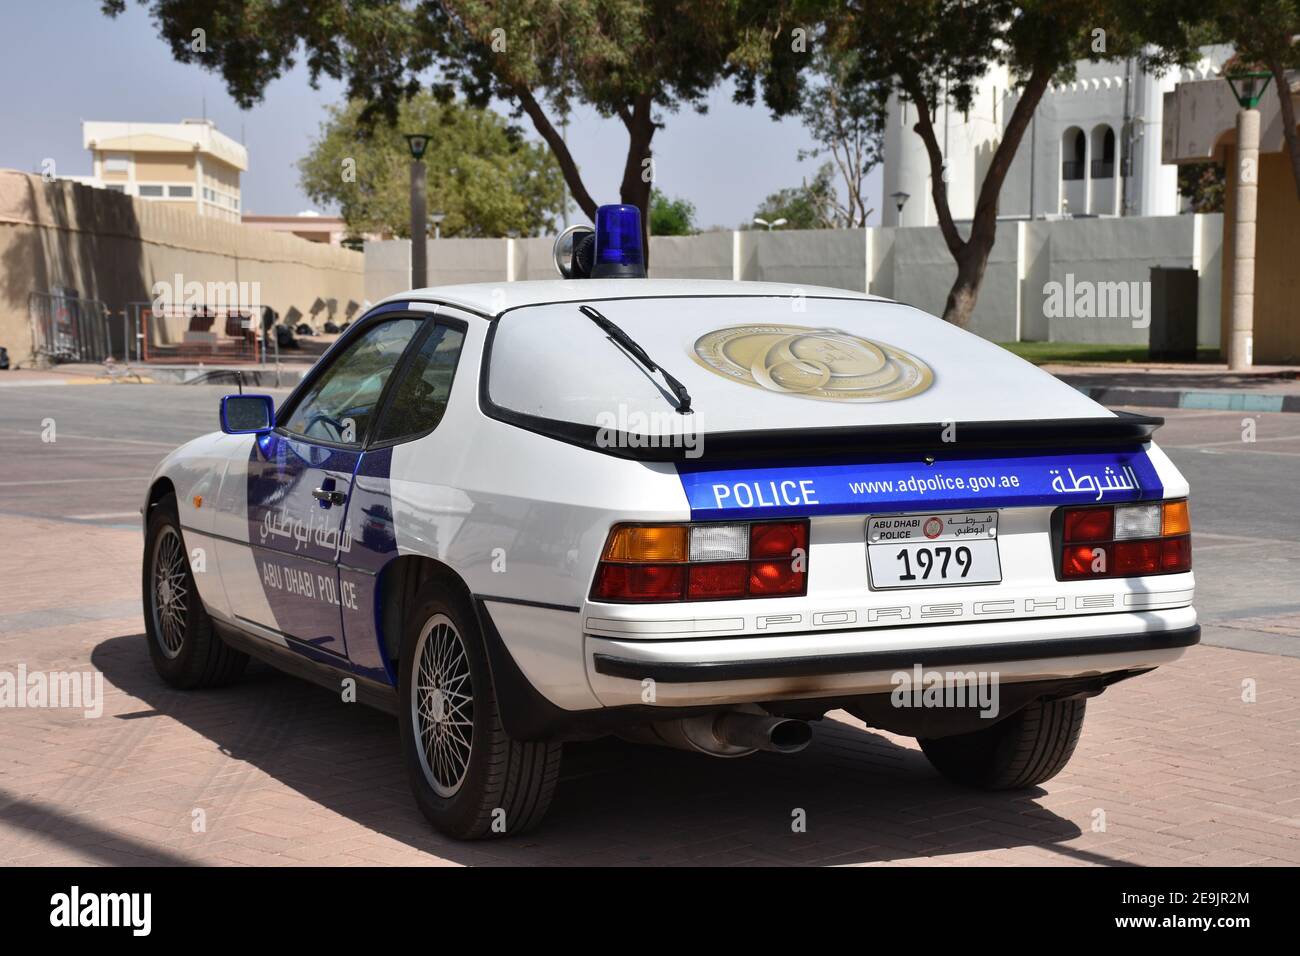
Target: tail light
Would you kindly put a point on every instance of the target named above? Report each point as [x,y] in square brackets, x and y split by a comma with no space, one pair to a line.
[1125,540]
[703,562]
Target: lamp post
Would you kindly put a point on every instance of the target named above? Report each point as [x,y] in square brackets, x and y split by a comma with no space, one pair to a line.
[418,143]
[1247,87]
[437,218]
[770,225]
[900,200]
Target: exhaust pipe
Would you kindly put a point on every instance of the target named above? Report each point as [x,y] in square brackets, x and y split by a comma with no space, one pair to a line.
[760,732]
[733,733]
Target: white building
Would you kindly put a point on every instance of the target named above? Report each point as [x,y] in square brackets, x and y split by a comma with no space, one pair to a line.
[1092,148]
[190,164]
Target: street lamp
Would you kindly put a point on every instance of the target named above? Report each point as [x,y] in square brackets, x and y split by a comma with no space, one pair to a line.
[1247,88]
[437,219]
[770,225]
[900,200]
[417,143]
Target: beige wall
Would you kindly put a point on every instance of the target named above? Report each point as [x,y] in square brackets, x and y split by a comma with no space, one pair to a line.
[111,247]
[164,167]
[1277,237]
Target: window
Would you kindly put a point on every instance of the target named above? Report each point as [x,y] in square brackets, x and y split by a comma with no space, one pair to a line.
[180,192]
[151,192]
[116,163]
[339,405]
[420,398]
[115,187]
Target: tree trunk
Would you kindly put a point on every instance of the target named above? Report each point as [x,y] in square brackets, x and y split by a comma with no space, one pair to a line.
[1288,119]
[637,184]
[972,254]
[971,262]
[559,149]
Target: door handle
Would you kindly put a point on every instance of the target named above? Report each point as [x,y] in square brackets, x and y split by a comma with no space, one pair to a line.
[329,495]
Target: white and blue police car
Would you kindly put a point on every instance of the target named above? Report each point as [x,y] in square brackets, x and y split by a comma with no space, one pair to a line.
[698,513]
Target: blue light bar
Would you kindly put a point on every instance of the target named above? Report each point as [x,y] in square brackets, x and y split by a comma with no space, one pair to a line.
[619,253]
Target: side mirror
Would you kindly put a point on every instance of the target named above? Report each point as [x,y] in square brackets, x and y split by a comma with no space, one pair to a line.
[247,414]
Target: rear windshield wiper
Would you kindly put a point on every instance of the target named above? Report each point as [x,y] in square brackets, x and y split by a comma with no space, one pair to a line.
[637,352]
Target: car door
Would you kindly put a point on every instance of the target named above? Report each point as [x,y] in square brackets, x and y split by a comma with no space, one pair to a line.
[298,480]
[411,411]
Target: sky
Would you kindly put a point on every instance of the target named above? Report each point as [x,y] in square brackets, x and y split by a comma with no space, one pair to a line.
[62,61]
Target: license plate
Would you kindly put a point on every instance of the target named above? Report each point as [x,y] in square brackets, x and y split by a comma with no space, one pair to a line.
[933,550]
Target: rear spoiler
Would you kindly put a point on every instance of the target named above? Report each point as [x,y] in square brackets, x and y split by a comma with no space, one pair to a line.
[1124,430]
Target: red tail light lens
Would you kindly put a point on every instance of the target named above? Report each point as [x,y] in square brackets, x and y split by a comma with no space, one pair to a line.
[773,578]
[640,582]
[703,562]
[1176,554]
[719,580]
[1085,560]
[1089,524]
[1127,540]
[1137,557]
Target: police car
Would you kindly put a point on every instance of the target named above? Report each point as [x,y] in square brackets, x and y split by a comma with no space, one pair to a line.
[696,513]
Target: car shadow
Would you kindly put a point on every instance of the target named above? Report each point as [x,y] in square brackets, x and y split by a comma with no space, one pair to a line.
[862,796]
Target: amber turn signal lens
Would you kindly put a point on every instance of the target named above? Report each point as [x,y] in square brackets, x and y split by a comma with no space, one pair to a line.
[647,543]
[1176,520]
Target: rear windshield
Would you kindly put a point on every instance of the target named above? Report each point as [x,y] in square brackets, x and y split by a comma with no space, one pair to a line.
[760,363]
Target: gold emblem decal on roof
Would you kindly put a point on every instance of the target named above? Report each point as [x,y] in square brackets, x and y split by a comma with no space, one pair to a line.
[825,364]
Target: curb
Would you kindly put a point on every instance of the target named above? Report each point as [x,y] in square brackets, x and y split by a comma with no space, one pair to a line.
[1211,401]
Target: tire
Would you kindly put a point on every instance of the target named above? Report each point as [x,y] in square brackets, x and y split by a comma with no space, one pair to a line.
[186,651]
[1029,747]
[488,785]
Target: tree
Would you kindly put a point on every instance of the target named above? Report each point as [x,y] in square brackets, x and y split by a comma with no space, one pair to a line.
[932,51]
[481,173]
[636,60]
[810,205]
[1265,34]
[1203,184]
[847,120]
[671,217]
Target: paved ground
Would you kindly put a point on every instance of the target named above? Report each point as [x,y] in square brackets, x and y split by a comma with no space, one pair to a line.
[1173,768]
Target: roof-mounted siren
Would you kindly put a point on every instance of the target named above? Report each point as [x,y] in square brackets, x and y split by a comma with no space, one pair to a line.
[613,250]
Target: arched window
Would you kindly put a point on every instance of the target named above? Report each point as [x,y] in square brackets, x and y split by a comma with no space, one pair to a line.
[1074,151]
[1103,152]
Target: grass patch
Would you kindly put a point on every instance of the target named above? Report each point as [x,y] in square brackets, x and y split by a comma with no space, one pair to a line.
[1088,353]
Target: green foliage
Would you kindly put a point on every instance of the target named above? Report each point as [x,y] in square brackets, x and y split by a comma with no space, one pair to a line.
[1203,184]
[810,205]
[671,217]
[480,172]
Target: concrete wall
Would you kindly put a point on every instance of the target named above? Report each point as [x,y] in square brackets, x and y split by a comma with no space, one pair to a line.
[912,265]
[112,247]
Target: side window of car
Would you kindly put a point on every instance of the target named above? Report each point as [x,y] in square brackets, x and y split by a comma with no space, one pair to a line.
[339,405]
[420,397]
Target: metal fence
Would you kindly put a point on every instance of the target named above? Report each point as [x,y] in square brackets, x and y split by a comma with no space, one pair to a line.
[187,334]
[68,328]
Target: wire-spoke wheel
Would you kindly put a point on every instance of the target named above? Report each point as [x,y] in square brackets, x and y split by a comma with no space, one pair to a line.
[470,778]
[443,705]
[170,590]
[185,649]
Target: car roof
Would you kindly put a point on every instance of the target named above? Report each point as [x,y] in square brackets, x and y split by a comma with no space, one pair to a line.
[493,298]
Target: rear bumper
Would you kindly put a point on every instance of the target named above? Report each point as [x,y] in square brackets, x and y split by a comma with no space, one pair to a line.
[701,672]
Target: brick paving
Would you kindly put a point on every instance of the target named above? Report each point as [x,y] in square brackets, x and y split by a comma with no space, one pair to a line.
[1173,768]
